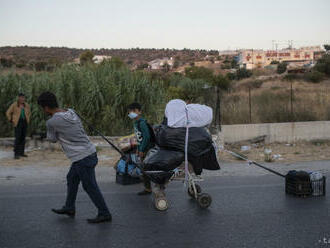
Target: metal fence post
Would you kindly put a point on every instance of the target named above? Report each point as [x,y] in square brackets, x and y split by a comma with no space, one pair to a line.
[291,101]
[250,107]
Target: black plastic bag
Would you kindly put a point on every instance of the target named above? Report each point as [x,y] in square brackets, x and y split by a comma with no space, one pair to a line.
[159,177]
[207,161]
[162,160]
[199,142]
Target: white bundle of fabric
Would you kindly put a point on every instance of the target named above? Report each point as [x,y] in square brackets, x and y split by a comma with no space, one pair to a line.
[179,114]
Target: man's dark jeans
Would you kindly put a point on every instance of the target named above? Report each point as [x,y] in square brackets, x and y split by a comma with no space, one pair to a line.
[84,171]
[20,134]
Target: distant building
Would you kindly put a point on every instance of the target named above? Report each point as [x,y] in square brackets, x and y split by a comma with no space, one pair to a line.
[158,64]
[229,53]
[251,59]
[99,58]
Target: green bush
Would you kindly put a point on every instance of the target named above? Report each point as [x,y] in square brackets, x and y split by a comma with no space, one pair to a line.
[6,62]
[323,65]
[314,76]
[255,84]
[243,73]
[281,68]
[292,77]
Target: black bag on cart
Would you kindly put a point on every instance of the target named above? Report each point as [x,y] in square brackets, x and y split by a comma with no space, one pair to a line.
[159,159]
[207,161]
[199,143]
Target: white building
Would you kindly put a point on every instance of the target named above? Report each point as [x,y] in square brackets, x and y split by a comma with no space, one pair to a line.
[158,64]
[99,58]
[251,59]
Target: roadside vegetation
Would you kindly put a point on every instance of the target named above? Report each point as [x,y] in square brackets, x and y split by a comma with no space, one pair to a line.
[101,92]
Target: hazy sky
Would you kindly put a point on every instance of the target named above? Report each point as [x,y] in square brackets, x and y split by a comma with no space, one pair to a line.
[205,24]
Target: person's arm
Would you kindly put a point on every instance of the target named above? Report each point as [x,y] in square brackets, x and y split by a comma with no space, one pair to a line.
[145,137]
[51,133]
[28,112]
[9,113]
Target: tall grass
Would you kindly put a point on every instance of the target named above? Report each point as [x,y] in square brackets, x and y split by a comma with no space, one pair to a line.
[309,103]
[101,93]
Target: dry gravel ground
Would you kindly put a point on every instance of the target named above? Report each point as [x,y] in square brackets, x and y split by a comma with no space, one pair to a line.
[107,157]
[300,151]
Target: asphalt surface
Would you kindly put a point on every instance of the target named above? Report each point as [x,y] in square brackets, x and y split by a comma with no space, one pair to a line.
[245,212]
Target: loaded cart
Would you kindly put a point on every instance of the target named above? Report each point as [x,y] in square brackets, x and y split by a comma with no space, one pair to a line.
[182,139]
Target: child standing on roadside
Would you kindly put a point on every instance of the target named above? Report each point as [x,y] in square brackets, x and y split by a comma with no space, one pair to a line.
[143,137]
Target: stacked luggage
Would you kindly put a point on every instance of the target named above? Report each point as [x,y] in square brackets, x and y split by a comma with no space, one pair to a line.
[171,139]
[126,170]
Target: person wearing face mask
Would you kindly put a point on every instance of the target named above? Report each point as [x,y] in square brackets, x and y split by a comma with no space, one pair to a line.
[143,137]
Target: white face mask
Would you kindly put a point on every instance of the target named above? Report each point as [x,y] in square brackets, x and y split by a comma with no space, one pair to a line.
[132,115]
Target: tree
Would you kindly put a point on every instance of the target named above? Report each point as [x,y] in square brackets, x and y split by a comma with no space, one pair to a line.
[323,65]
[6,62]
[40,65]
[142,66]
[221,83]
[117,62]
[326,47]
[281,68]
[234,63]
[86,57]
[243,73]
[231,76]
[166,67]
[176,63]
[195,72]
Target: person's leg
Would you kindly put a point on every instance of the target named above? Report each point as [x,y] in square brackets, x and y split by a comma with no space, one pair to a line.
[23,136]
[147,186]
[86,171]
[147,183]
[72,189]
[18,130]
[73,181]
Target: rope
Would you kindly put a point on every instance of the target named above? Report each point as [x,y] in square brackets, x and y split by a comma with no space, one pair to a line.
[253,162]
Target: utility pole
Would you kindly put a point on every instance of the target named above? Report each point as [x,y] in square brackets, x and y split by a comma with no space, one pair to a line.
[250,111]
[291,101]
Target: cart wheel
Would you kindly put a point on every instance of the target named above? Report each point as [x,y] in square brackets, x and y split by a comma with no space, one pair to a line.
[204,200]
[161,204]
[191,192]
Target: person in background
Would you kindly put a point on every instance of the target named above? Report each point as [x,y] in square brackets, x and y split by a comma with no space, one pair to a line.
[65,126]
[19,115]
[143,138]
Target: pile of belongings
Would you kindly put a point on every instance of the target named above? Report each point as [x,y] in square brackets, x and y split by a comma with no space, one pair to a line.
[127,143]
[125,167]
[171,139]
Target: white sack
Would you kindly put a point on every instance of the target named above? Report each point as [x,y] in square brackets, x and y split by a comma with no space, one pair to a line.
[199,115]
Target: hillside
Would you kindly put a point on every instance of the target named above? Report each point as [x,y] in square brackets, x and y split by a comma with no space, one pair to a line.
[26,54]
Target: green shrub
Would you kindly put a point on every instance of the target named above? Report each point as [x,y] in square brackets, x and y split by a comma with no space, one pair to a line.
[6,62]
[323,65]
[314,76]
[243,73]
[254,84]
[292,77]
[281,68]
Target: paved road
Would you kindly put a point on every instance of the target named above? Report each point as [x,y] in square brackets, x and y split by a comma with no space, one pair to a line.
[246,212]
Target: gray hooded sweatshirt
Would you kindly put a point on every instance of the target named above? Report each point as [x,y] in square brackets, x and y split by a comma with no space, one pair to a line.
[66,127]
